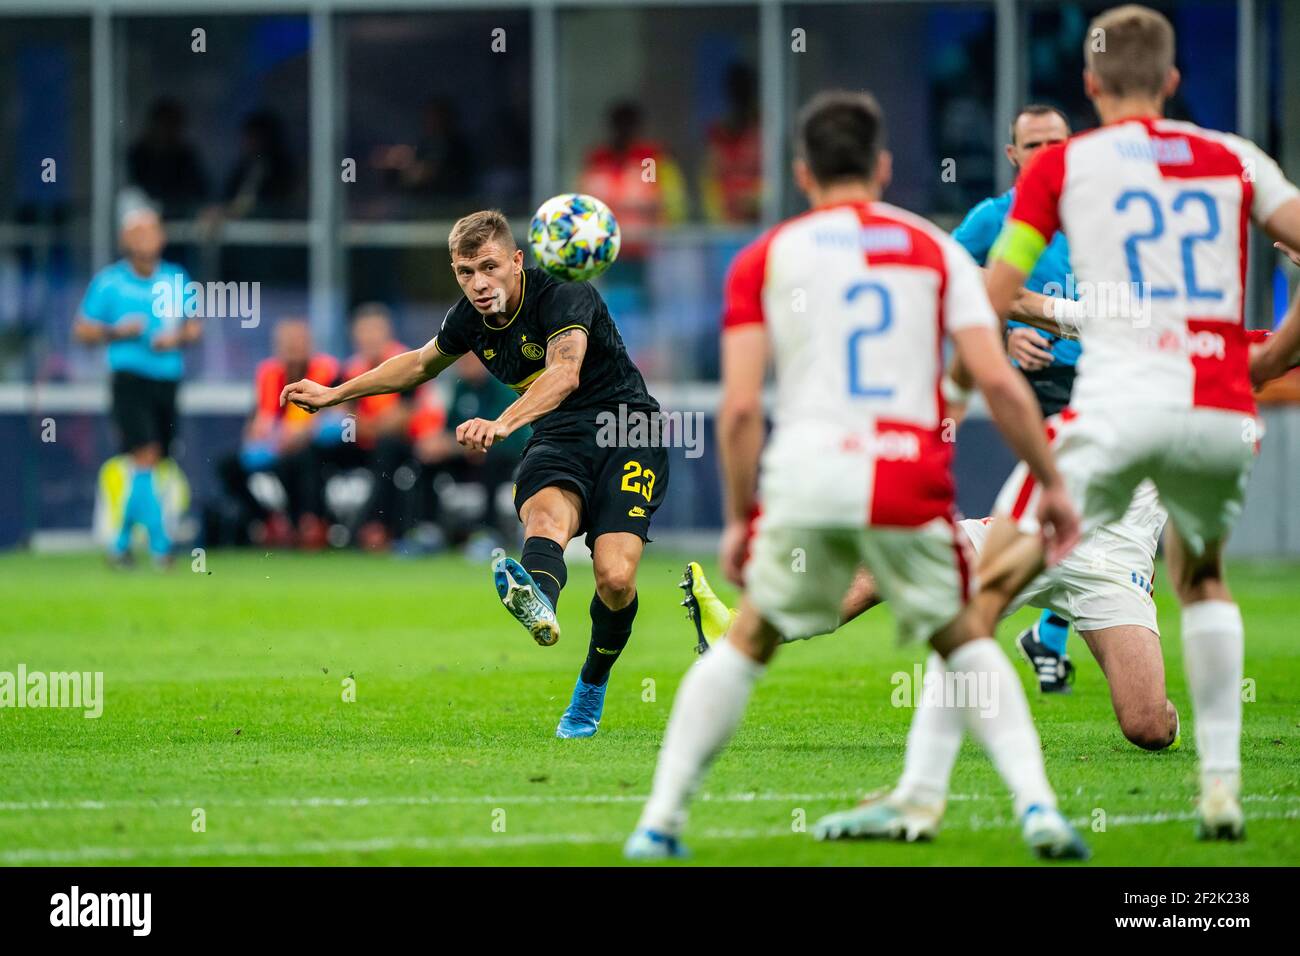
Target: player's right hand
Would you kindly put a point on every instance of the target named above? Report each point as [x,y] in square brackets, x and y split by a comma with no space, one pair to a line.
[1059,523]
[1287,251]
[1029,349]
[731,551]
[308,395]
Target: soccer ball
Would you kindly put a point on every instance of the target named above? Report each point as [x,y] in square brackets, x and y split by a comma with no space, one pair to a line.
[574,236]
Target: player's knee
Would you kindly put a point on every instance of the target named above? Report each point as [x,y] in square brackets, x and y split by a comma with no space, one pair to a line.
[1149,729]
[544,524]
[616,582]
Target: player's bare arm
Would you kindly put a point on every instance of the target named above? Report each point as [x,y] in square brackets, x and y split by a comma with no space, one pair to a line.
[1015,412]
[1038,310]
[740,437]
[397,374]
[1279,353]
[564,354]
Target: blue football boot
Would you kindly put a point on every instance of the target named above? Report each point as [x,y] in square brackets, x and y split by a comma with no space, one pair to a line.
[526,601]
[582,718]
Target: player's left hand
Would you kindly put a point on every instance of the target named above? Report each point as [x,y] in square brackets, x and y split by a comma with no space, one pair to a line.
[480,433]
[1287,251]
[1059,522]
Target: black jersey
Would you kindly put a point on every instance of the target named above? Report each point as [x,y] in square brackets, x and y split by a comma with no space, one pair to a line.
[516,352]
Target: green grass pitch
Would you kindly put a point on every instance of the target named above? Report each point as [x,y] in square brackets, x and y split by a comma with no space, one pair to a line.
[224,693]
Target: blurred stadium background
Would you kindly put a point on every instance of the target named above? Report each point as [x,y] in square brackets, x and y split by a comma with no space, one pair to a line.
[447,106]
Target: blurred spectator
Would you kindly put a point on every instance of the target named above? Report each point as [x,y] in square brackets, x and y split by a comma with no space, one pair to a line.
[382,421]
[279,440]
[262,182]
[636,177]
[164,163]
[438,171]
[732,185]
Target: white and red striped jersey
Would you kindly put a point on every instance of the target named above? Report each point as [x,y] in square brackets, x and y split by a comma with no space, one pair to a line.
[856,299]
[1157,215]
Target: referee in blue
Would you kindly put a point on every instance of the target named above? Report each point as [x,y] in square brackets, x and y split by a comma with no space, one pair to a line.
[131,308]
[1046,360]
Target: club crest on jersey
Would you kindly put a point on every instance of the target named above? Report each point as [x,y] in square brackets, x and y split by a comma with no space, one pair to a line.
[532,351]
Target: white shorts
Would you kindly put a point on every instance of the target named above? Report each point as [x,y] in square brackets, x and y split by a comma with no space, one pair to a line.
[1097,586]
[1199,461]
[797,576]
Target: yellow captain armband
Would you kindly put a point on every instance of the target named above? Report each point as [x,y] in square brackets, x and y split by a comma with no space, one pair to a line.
[1019,245]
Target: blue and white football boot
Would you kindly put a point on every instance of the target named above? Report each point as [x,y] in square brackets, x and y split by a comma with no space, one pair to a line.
[646,844]
[582,718]
[1050,835]
[526,601]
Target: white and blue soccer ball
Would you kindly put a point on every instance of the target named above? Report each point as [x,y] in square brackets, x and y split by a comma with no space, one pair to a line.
[574,236]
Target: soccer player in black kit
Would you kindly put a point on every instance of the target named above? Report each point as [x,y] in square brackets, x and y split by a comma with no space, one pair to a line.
[555,344]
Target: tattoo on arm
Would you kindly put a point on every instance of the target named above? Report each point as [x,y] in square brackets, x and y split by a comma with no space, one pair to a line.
[567,348]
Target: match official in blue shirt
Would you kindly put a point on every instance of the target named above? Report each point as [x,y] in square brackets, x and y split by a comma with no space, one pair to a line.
[131,307]
[1047,361]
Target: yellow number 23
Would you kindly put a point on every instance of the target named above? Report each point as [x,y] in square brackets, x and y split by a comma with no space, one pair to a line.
[638,480]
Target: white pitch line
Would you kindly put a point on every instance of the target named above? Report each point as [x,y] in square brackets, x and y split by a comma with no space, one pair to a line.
[431,800]
[93,854]
[411,800]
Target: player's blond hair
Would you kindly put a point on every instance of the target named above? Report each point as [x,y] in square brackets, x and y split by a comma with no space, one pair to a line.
[1130,49]
[471,232]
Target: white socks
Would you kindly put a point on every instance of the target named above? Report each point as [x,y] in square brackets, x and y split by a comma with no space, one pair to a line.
[1213,653]
[932,742]
[996,712]
[708,707]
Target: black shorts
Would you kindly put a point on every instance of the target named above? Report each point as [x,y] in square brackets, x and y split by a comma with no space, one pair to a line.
[144,411]
[1052,387]
[620,487]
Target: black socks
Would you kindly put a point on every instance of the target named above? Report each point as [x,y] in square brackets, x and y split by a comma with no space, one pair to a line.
[544,560]
[610,631]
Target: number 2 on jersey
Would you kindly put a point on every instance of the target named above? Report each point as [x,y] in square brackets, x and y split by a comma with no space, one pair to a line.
[858,386]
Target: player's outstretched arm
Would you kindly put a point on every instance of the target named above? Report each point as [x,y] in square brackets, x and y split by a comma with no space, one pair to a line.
[397,374]
[564,354]
[741,432]
[1015,412]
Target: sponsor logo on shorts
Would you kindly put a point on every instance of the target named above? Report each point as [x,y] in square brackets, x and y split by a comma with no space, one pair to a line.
[637,512]
[1141,582]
